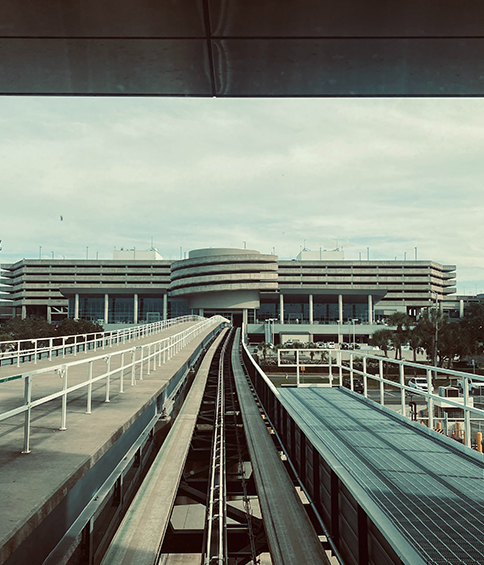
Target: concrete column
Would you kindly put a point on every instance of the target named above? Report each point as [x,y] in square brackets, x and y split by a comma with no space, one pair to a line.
[281,308]
[165,307]
[370,309]
[461,308]
[200,311]
[106,308]
[310,308]
[76,307]
[340,308]
[135,309]
[49,314]
[24,311]
[245,317]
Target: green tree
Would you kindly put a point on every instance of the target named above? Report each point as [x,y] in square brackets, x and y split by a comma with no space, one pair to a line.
[28,328]
[68,326]
[382,339]
[402,323]
[430,323]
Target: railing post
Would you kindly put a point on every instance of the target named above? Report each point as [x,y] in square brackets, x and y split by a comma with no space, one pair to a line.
[27,402]
[75,345]
[85,344]
[430,401]
[467,419]
[382,385]
[141,364]
[121,378]
[351,372]
[64,398]
[89,388]
[330,368]
[402,390]
[108,377]
[35,352]
[365,379]
[63,347]
[339,359]
[18,353]
[133,359]
[149,358]
[51,345]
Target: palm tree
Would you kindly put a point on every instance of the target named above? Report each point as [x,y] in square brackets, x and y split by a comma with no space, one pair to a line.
[402,322]
[382,339]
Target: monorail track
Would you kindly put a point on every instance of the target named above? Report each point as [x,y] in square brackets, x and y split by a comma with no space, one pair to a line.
[218,450]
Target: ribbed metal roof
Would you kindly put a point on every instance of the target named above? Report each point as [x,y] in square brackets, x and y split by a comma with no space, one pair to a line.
[432,492]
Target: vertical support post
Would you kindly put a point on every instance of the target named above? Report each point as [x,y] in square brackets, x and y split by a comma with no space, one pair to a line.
[365,379]
[351,372]
[382,385]
[108,378]
[141,364]
[430,401]
[35,352]
[340,308]
[297,368]
[135,309]
[402,390]
[165,307]
[370,309]
[27,402]
[479,442]
[121,377]
[89,388]
[281,308]
[311,309]
[76,306]
[339,361]
[106,308]
[149,358]
[51,345]
[467,414]
[330,368]
[133,360]
[165,345]
[64,398]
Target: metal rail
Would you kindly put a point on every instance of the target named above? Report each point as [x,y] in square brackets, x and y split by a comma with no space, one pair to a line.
[215,547]
[19,351]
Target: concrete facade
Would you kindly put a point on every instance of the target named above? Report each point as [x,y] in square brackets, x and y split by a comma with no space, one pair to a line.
[244,285]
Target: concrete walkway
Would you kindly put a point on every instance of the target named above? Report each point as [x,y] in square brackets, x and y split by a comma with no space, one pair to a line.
[33,484]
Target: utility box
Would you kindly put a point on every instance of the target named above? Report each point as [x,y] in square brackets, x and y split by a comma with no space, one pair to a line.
[448,392]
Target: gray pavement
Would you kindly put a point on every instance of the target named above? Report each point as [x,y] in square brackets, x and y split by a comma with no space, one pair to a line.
[32,484]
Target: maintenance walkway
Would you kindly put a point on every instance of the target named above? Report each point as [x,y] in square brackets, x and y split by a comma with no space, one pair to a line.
[43,490]
[424,491]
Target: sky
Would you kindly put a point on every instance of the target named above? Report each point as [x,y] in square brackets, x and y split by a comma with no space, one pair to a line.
[388,177]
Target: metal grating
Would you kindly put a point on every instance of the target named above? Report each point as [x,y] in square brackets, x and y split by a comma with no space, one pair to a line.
[433,494]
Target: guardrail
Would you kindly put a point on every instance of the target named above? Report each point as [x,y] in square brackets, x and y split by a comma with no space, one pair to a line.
[22,350]
[344,363]
[150,356]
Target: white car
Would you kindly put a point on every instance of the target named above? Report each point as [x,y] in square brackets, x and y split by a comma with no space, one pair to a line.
[420,383]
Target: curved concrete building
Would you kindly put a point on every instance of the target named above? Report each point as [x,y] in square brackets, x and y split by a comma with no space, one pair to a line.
[223,279]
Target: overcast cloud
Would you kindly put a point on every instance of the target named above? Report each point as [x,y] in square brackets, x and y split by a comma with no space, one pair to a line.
[390,175]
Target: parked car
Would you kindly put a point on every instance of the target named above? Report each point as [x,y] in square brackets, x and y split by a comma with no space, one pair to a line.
[475,387]
[420,383]
[357,384]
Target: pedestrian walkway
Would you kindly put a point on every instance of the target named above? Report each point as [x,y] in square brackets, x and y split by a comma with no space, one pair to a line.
[33,484]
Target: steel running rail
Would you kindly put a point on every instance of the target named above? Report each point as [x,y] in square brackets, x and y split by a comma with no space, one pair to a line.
[215,549]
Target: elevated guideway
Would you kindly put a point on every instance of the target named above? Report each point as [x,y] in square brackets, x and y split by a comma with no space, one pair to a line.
[87,436]
[386,489]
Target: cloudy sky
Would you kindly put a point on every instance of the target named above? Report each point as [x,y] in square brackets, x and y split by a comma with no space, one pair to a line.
[390,175]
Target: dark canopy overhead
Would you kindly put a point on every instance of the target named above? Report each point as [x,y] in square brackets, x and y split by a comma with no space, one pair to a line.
[242,47]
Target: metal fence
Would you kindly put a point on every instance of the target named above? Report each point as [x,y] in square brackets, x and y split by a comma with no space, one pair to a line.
[357,365]
[128,366]
[22,350]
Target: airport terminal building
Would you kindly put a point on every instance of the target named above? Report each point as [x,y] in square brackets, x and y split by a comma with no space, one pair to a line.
[317,296]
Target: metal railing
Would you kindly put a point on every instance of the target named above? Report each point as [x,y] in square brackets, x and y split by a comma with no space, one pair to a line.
[22,350]
[343,362]
[132,369]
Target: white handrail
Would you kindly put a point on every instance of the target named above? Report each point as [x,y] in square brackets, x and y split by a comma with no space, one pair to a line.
[150,355]
[18,351]
[351,356]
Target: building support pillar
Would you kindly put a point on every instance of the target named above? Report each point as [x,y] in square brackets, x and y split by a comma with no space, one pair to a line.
[49,314]
[165,307]
[311,314]
[340,308]
[106,308]
[135,309]
[461,308]
[370,309]
[281,308]
[245,317]
[24,311]
[76,307]
[200,312]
